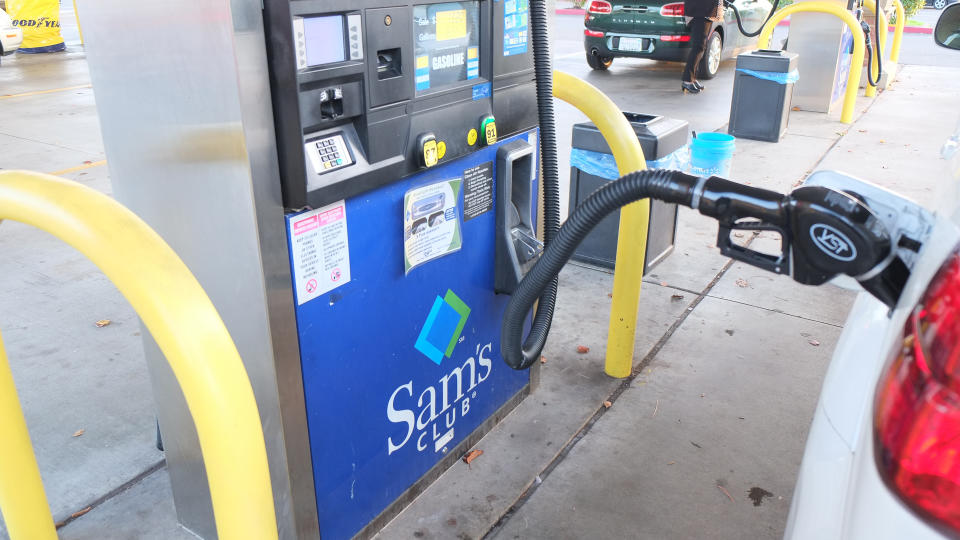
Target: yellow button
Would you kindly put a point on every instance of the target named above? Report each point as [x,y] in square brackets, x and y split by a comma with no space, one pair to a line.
[472,137]
[441,149]
[430,153]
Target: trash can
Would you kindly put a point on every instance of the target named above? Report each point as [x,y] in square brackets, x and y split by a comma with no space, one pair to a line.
[664,143]
[762,94]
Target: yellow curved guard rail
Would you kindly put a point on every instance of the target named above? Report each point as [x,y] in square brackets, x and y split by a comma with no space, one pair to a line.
[22,499]
[188,330]
[856,64]
[634,218]
[870,90]
[897,32]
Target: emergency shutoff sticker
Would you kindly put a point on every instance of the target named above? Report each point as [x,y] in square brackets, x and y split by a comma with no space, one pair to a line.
[320,252]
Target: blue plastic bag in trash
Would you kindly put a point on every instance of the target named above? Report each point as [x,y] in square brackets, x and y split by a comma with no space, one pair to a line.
[604,166]
[775,76]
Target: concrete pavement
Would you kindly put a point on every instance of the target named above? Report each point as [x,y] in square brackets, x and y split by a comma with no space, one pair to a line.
[729,359]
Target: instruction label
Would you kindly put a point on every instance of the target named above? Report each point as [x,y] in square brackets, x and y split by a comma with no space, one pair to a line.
[431,223]
[320,252]
[516,32]
[477,190]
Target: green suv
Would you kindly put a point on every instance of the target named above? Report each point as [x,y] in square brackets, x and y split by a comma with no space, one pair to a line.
[656,29]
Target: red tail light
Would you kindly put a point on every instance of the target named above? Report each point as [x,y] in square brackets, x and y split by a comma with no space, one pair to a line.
[592,33]
[917,413]
[672,10]
[675,38]
[600,6]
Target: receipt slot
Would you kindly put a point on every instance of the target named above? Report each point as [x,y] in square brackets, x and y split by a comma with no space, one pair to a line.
[329,171]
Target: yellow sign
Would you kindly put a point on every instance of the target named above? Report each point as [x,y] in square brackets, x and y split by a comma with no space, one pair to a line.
[451,24]
[430,153]
[472,137]
[423,62]
[490,132]
[40,21]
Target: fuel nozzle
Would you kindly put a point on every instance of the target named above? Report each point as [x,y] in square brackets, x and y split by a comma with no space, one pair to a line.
[824,233]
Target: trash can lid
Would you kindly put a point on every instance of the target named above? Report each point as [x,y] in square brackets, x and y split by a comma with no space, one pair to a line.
[767,60]
[659,136]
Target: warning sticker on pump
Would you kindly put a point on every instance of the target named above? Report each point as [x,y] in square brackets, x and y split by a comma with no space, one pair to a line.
[431,223]
[477,190]
[320,252]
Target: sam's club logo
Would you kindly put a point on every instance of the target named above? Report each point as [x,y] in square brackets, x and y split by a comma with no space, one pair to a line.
[443,327]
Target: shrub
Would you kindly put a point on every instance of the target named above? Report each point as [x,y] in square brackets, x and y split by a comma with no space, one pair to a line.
[910,8]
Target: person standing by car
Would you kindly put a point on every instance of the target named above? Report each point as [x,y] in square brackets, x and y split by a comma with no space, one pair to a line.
[700,16]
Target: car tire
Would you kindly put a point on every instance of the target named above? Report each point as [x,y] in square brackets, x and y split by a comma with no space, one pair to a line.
[599,62]
[710,63]
[939,4]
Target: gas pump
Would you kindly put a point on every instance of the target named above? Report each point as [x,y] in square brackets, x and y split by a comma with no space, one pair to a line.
[409,136]
[408,148]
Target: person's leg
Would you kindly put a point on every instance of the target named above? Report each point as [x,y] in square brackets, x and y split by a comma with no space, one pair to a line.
[699,28]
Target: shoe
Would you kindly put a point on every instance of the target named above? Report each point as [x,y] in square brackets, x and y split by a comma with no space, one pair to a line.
[689,87]
[699,86]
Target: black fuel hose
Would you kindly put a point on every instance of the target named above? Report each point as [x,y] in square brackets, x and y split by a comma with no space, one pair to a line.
[547,294]
[664,185]
[876,14]
[869,48]
[736,14]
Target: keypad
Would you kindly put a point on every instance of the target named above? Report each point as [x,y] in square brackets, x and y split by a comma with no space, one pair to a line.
[330,153]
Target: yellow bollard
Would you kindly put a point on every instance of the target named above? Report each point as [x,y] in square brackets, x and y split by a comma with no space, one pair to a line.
[22,499]
[76,15]
[634,218]
[856,63]
[881,46]
[185,325]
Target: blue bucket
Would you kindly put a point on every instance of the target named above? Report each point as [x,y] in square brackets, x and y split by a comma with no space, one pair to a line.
[711,154]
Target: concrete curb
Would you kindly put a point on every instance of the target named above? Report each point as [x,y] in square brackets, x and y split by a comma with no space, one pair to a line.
[906,29]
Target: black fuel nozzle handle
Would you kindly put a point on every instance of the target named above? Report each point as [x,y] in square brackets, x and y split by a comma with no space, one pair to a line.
[738,207]
[824,233]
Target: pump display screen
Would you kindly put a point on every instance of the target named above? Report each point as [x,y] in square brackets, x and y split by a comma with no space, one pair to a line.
[446,40]
[323,37]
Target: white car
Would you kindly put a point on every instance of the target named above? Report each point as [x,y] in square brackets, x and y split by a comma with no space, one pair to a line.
[883,455]
[10,36]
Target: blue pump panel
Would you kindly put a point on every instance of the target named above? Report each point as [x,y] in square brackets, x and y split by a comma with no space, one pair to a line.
[400,367]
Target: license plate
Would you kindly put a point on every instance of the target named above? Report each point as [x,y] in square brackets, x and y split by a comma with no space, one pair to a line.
[633,44]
